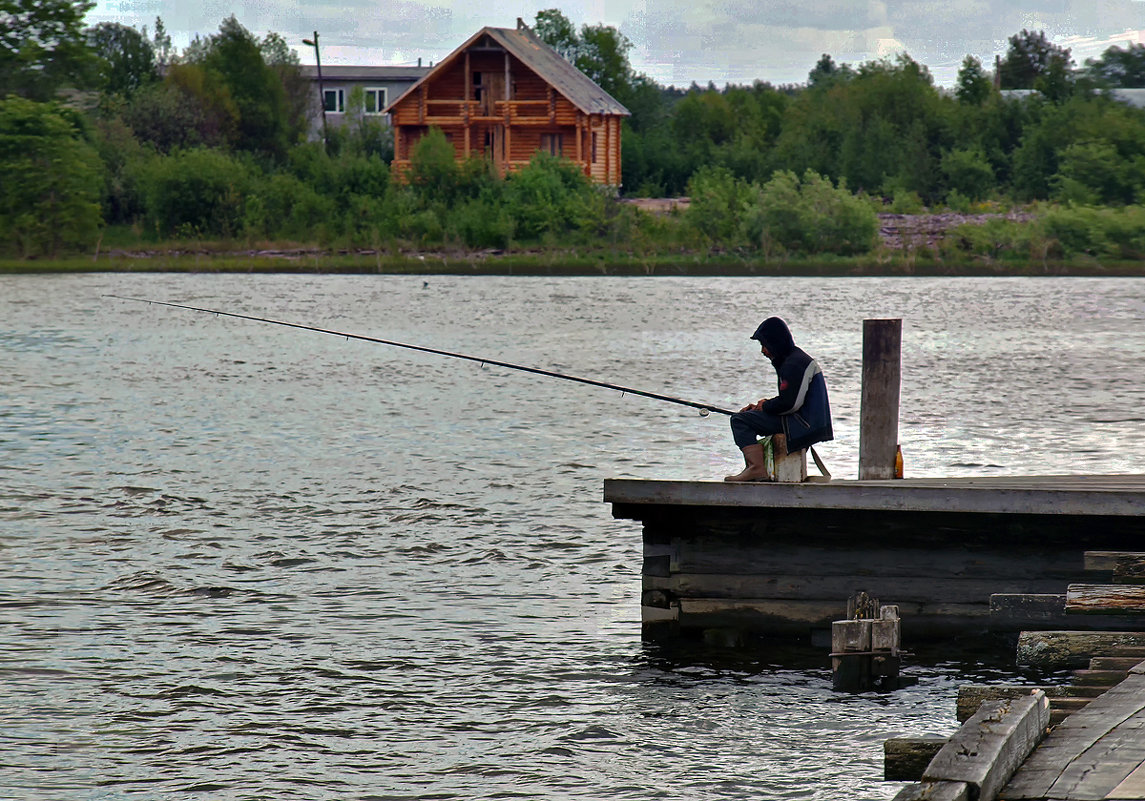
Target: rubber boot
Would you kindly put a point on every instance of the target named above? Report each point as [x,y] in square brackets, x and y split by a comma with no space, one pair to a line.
[755,469]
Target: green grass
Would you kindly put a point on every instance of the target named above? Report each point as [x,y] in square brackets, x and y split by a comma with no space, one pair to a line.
[220,258]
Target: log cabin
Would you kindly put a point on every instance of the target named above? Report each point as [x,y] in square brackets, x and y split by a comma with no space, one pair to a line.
[504,95]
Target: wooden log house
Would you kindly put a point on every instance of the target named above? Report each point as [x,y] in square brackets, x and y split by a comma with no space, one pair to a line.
[504,95]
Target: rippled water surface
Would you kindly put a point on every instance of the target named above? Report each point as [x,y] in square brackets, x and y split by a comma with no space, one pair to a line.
[246,561]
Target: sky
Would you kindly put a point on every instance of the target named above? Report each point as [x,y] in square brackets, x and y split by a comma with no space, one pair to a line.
[675,42]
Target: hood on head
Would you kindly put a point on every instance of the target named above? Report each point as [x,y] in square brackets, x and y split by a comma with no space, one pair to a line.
[775,334]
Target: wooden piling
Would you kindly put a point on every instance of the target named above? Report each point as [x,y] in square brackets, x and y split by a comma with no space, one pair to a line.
[879,417]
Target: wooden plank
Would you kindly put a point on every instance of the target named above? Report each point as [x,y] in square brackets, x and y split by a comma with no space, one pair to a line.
[1056,769]
[1102,561]
[905,758]
[1047,495]
[1008,612]
[1065,697]
[1084,599]
[1053,650]
[731,553]
[935,791]
[990,746]
[796,617]
[1122,663]
[1133,787]
[1129,569]
[1099,678]
[891,589]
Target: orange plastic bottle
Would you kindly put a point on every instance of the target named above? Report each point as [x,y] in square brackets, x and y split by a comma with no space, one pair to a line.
[898,461]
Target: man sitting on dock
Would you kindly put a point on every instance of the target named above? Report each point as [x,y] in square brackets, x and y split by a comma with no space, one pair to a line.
[800,411]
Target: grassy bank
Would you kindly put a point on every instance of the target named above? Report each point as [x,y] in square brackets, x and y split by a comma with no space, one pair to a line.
[219,258]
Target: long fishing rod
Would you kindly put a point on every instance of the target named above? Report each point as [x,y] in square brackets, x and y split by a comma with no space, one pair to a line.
[704,408]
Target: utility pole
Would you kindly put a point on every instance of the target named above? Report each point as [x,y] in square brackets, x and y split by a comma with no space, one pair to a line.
[321,92]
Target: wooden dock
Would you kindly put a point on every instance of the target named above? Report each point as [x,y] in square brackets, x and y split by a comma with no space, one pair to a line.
[1096,753]
[782,559]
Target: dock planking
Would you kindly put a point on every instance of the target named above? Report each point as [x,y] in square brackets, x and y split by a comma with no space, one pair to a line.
[779,559]
[1096,753]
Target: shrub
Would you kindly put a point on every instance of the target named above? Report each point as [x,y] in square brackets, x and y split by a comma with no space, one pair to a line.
[283,206]
[969,173]
[719,202]
[198,192]
[552,196]
[811,216]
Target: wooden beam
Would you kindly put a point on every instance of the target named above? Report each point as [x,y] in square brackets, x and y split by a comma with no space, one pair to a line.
[879,413]
[468,97]
[1105,599]
[905,758]
[423,96]
[1054,650]
[992,744]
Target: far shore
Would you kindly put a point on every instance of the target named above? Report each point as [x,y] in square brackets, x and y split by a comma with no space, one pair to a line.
[221,258]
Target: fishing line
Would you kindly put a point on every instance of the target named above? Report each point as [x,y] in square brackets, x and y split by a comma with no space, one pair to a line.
[704,408]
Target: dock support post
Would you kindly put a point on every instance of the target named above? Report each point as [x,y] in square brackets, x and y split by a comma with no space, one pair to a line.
[865,647]
[879,417]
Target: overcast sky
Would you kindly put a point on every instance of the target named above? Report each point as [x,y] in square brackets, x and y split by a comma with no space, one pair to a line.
[674,41]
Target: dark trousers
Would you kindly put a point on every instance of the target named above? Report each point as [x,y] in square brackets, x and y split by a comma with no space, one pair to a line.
[746,426]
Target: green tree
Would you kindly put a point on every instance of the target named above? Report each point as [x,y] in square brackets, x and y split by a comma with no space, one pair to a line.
[43,48]
[827,73]
[301,100]
[127,58]
[968,172]
[191,107]
[558,32]
[50,180]
[974,85]
[234,55]
[1119,68]
[1031,56]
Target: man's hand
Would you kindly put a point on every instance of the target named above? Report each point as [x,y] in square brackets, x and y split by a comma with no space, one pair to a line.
[754,407]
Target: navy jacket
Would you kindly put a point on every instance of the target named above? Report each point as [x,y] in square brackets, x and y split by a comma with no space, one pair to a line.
[802,402]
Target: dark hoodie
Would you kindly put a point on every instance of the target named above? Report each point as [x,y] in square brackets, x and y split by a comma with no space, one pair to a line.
[802,402]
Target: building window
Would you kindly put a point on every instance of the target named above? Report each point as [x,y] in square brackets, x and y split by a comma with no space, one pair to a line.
[551,144]
[334,100]
[376,100]
[594,136]
[477,86]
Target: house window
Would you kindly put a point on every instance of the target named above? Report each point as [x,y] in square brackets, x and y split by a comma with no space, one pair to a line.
[551,144]
[376,100]
[594,137]
[334,100]
[477,86]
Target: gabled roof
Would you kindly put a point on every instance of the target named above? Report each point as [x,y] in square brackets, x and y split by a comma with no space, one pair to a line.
[531,50]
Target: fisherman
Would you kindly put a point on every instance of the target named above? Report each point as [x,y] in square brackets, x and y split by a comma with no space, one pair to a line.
[800,411]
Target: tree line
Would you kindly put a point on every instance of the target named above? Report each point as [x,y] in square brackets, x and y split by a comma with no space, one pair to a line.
[108,134]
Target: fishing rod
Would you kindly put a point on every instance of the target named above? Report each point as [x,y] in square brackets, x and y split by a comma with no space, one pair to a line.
[704,408]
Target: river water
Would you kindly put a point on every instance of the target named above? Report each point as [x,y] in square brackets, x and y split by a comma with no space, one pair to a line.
[242,561]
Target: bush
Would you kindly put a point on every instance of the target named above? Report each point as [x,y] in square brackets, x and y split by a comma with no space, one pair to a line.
[552,196]
[198,192]
[719,202]
[283,206]
[968,173]
[1093,172]
[811,216]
